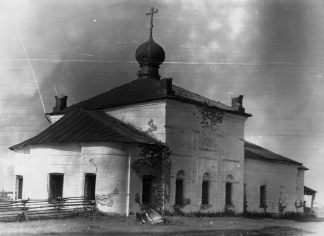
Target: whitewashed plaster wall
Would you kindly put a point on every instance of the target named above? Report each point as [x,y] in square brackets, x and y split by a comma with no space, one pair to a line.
[108,160]
[300,190]
[215,149]
[148,117]
[280,180]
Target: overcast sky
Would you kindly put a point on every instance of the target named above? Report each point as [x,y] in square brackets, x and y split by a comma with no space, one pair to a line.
[270,51]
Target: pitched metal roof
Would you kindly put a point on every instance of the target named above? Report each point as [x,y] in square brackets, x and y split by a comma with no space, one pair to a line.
[253,151]
[142,90]
[80,125]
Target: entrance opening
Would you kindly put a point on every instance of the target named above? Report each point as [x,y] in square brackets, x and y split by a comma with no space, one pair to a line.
[229,190]
[263,196]
[147,189]
[90,186]
[19,186]
[179,188]
[205,190]
[228,197]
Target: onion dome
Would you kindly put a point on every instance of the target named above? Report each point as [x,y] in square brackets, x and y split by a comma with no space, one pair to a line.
[150,52]
[150,55]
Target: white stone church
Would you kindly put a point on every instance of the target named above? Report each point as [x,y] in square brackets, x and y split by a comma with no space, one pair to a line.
[152,144]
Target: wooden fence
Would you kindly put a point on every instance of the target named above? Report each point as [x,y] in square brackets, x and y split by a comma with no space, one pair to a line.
[43,209]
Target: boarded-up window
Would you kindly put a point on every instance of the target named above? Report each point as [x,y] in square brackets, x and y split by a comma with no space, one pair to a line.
[90,186]
[147,189]
[205,190]
[19,186]
[263,196]
[179,188]
[56,186]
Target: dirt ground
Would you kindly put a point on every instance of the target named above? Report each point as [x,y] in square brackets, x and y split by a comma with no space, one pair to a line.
[121,225]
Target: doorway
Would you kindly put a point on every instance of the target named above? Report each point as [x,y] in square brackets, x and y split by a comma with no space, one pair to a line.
[90,186]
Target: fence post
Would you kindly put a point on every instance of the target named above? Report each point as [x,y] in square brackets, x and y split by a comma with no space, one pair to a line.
[59,204]
[24,214]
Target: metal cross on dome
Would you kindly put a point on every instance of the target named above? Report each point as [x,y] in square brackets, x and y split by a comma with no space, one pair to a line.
[151,13]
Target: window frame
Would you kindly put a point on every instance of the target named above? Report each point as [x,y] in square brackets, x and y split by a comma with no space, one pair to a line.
[50,190]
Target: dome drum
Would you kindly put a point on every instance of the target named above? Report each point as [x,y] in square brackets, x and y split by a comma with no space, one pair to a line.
[149,71]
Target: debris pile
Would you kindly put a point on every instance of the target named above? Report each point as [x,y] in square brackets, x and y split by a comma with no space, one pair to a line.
[149,216]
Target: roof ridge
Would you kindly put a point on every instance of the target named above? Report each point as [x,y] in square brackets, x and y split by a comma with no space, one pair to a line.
[145,90]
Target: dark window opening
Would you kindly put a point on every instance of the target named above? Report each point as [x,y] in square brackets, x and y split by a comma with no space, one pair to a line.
[263,196]
[90,186]
[245,206]
[179,192]
[56,186]
[228,196]
[147,189]
[205,192]
[19,187]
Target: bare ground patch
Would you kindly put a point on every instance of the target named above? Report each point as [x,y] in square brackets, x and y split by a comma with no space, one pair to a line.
[121,225]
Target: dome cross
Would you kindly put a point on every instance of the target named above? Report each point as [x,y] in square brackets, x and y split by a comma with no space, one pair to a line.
[152,11]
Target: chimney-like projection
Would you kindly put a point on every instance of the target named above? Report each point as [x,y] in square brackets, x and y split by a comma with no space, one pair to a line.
[237,103]
[166,87]
[61,103]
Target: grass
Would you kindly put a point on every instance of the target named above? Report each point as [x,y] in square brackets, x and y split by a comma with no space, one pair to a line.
[176,225]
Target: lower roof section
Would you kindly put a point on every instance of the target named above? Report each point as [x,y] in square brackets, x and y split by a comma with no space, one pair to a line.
[253,151]
[80,125]
[308,191]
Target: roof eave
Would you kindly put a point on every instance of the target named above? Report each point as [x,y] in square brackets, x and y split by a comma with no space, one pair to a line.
[272,160]
[62,112]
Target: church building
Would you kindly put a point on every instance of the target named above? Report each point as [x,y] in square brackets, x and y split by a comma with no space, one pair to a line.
[151,144]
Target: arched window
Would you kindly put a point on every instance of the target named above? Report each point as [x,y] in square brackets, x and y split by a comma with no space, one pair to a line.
[205,189]
[229,190]
[179,188]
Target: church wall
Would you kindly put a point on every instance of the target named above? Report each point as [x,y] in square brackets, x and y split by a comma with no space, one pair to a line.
[42,160]
[300,190]
[280,180]
[148,117]
[205,141]
[109,161]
